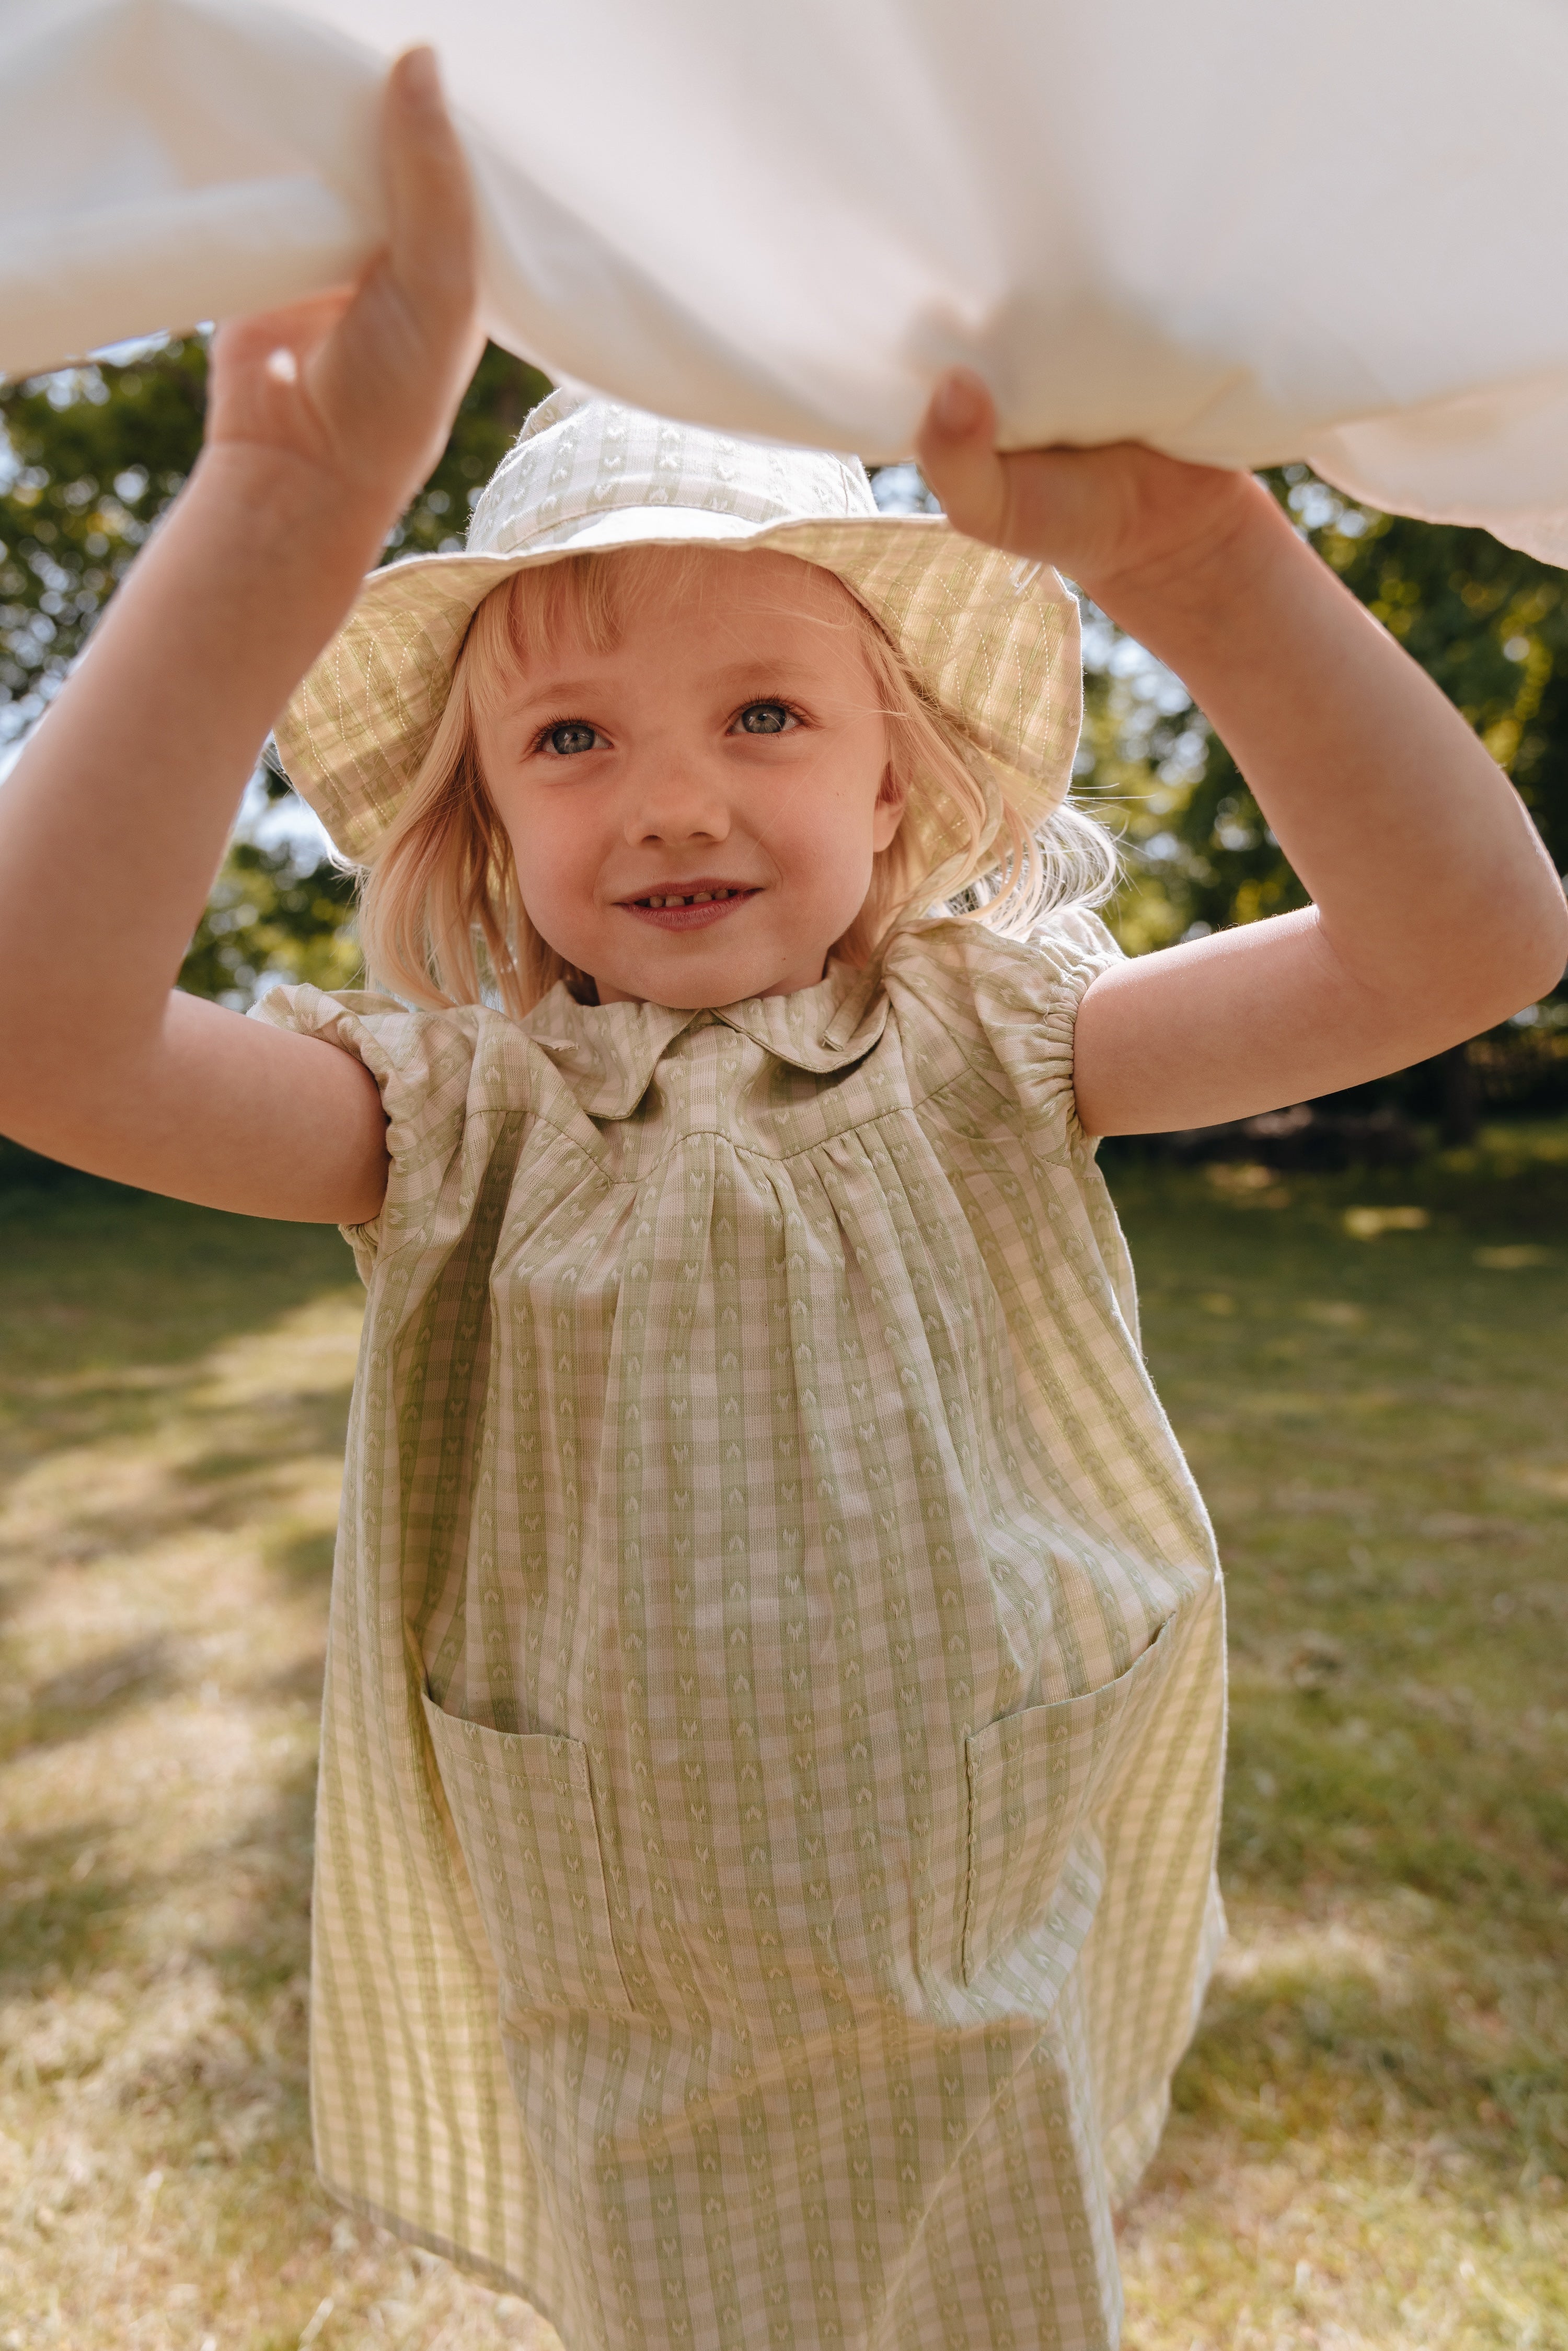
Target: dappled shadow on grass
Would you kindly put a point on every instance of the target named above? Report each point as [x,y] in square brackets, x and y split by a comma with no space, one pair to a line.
[300,1683]
[57,1918]
[268,1943]
[57,1905]
[102,1281]
[304,1559]
[91,1692]
[1394,1793]
[172,1436]
[68,1923]
[1370,2040]
[153,2046]
[195,1396]
[1508,1186]
[221,1489]
[170,1428]
[43,1413]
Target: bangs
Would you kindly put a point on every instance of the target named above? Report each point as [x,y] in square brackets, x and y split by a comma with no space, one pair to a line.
[582,600]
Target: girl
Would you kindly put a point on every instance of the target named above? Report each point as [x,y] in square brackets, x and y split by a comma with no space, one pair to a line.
[774,1709]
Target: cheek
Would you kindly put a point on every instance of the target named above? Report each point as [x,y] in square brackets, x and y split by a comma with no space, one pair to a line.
[824,837]
[542,843]
[555,868]
[839,797]
[833,855]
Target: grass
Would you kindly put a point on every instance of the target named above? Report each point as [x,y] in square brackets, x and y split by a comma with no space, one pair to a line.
[1370,2142]
[1370,2146]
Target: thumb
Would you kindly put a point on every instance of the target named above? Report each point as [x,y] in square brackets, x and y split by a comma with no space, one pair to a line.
[956,449]
[430,197]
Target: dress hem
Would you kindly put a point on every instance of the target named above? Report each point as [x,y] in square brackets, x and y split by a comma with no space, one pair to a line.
[430,2240]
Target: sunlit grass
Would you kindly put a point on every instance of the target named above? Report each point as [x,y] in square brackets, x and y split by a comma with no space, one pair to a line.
[171,1404]
[1370,2135]
[1371,2138]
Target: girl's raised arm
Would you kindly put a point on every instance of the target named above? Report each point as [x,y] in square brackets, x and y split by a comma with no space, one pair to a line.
[323,419]
[1436,910]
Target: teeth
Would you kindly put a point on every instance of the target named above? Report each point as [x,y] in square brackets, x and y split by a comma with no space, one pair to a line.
[697,898]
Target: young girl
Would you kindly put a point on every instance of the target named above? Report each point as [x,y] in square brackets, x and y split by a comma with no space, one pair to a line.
[775,1700]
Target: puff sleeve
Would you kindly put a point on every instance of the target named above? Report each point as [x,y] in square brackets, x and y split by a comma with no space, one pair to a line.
[1004,1009]
[423,1064]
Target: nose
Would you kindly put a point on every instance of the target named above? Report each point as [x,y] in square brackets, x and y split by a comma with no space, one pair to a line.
[673,797]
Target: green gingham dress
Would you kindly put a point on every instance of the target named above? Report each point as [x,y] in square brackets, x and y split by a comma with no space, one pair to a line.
[775,1694]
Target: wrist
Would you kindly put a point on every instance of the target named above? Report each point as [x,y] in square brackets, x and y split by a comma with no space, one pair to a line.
[290,513]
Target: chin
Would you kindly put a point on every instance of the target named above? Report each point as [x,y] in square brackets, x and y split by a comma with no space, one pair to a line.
[697,980]
[695,994]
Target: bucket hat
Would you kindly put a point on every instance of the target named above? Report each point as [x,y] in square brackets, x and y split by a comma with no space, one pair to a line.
[992,641]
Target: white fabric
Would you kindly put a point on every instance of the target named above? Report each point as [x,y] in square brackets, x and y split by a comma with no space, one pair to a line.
[1247,234]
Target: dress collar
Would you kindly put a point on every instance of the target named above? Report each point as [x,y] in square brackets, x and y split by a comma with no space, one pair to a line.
[607,1052]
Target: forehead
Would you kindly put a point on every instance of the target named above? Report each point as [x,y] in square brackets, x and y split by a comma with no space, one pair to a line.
[656,620]
[681,604]
[706,579]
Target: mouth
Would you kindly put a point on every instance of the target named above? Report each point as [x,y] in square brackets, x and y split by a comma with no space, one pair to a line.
[696,908]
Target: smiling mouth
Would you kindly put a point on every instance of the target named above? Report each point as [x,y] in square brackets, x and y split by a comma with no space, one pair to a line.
[689,910]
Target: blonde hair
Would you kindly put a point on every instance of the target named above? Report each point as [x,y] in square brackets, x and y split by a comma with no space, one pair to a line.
[442,920]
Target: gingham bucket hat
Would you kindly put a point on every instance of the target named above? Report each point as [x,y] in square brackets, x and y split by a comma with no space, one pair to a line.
[993,640]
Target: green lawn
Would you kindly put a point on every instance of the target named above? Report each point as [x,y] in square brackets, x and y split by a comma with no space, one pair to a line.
[1371,2140]
[1370,2146]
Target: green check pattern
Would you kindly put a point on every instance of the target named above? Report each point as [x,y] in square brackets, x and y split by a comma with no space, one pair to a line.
[775,1687]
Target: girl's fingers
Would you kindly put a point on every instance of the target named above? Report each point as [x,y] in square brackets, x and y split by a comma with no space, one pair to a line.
[1078,508]
[362,381]
[1051,504]
[1071,507]
[957,456]
[430,201]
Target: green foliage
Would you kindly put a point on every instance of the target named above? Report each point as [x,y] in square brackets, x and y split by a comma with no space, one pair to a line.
[267,916]
[97,452]
[91,456]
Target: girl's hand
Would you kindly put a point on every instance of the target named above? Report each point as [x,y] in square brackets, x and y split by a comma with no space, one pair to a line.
[1100,514]
[359,385]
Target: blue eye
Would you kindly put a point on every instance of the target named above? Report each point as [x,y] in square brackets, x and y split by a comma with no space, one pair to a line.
[572,736]
[765,719]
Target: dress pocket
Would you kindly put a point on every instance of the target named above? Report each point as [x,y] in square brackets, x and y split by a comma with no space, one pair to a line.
[522,1806]
[1040,1782]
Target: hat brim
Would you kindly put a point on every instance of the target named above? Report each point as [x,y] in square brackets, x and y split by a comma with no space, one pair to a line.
[993,640]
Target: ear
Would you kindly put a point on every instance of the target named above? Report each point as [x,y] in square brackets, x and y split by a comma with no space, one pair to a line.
[888,814]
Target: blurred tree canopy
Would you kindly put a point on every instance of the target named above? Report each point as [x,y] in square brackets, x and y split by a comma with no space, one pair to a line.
[92,455]
[91,458]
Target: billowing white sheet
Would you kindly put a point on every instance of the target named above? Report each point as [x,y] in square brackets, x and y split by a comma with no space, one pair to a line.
[1244,230]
